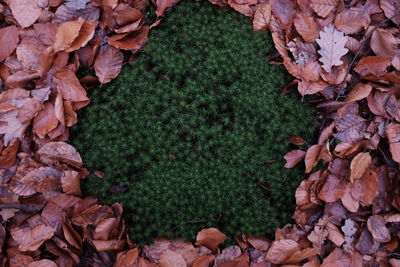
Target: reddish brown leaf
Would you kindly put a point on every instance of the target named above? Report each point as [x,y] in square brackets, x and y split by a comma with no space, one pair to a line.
[26,12]
[31,238]
[104,228]
[337,258]
[312,156]
[360,91]
[359,165]
[296,140]
[42,263]
[66,34]
[127,258]
[384,44]
[309,88]
[259,243]
[85,34]
[323,7]
[211,238]
[71,182]
[170,258]
[293,157]
[107,245]
[281,250]
[376,225]
[372,65]
[393,135]
[130,41]
[163,5]
[204,261]
[240,261]
[60,151]
[284,11]
[45,121]
[351,21]
[108,64]
[9,38]
[391,8]
[301,255]
[306,27]
[262,17]
[333,189]
[9,155]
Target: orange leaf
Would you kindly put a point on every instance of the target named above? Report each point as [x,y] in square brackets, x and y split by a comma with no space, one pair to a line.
[360,91]
[211,238]
[204,261]
[67,33]
[372,65]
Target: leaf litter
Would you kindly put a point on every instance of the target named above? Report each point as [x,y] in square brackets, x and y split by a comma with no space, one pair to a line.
[344,53]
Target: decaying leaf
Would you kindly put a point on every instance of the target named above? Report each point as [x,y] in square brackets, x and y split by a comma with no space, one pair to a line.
[211,238]
[9,38]
[332,44]
[359,165]
[108,64]
[262,17]
[281,250]
[26,12]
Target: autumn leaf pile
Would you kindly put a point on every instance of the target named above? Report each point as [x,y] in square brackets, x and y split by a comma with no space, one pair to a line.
[344,53]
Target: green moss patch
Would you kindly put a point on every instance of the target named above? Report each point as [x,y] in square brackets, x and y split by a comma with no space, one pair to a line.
[187,133]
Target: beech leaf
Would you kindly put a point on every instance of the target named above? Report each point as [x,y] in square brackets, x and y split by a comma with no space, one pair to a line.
[293,157]
[26,12]
[262,17]
[359,165]
[9,38]
[108,64]
[211,238]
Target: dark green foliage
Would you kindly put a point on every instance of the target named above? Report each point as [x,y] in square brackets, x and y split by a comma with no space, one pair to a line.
[187,130]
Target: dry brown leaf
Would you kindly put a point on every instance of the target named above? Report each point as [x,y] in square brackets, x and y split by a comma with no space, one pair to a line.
[71,182]
[360,91]
[60,151]
[393,135]
[106,245]
[130,41]
[351,21]
[372,65]
[9,155]
[310,88]
[67,33]
[204,261]
[170,258]
[284,11]
[31,238]
[104,228]
[85,34]
[384,44]
[127,258]
[337,258]
[293,157]
[391,8]
[9,38]
[108,64]
[211,238]
[26,12]
[242,260]
[45,121]
[306,26]
[303,254]
[312,156]
[262,17]
[334,234]
[323,7]
[359,165]
[332,44]
[281,250]
[311,71]
[259,243]
[376,225]
[333,189]
[42,263]
[163,5]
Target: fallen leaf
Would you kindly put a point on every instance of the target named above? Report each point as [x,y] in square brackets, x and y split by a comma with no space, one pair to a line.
[393,135]
[306,26]
[242,260]
[9,38]
[60,151]
[384,44]
[9,155]
[293,157]
[42,263]
[372,65]
[360,91]
[332,44]
[323,7]
[31,238]
[337,258]
[170,258]
[284,11]
[26,12]
[281,250]
[107,245]
[262,17]
[296,140]
[211,238]
[45,121]
[303,254]
[259,243]
[312,156]
[71,182]
[163,5]
[127,258]
[351,21]
[67,33]
[359,165]
[376,225]
[391,8]
[333,189]
[130,41]
[204,261]
[108,64]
